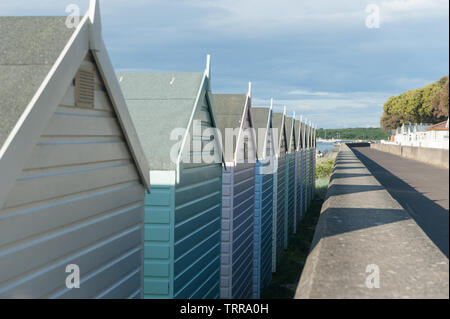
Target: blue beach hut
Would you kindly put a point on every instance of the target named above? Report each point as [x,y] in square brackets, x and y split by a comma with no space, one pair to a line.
[279,189]
[290,180]
[265,166]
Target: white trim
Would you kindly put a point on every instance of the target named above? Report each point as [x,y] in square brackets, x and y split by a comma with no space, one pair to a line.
[162,177]
[208,71]
[95,27]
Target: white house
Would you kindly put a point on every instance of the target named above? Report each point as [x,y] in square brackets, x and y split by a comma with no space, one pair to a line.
[422,135]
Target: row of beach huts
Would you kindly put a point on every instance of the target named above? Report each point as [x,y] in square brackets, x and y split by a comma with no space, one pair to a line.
[92,189]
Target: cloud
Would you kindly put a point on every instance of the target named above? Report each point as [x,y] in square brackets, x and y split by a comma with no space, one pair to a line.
[317,57]
[334,109]
[411,10]
[262,17]
[410,83]
[299,92]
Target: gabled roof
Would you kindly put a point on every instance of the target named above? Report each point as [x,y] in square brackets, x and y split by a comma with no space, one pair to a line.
[261,118]
[297,134]
[229,111]
[159,103]
[442,126]
[39,58]
[290,132]
[29,47]
[278,125]
[306,131]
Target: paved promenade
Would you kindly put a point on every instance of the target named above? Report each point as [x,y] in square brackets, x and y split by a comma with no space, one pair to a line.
[363,228]
[421,189]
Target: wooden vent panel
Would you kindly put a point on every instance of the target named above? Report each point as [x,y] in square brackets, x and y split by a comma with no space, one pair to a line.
[84,89]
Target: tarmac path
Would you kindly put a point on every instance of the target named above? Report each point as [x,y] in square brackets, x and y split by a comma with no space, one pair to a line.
[421,189]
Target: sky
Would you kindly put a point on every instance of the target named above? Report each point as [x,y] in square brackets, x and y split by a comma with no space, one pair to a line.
[316,57]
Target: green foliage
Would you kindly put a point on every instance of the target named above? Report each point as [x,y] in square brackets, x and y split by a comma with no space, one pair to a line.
[425,105]
[439,101]
[324,168]
[360,133]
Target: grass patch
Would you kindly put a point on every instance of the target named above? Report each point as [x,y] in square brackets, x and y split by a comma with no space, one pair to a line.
[285,280]
[324,168]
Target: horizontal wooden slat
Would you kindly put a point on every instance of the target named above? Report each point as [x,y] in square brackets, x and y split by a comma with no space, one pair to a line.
[66,125]
[45,155]
[35,219]
[43,281]
[68,181]
[50,246]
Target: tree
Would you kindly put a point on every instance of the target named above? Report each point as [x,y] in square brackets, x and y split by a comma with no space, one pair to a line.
[424,105]
[439,101]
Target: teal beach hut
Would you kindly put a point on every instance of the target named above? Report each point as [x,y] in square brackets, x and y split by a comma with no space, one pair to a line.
[265,166]
[175,121]
[279,189]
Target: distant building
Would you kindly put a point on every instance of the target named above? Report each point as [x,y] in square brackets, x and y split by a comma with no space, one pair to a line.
[422,135]
[438,135]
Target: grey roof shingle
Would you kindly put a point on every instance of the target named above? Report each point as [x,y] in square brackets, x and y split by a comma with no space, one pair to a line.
[277,121]
[159,103]
[289,127]
[229,110]
[297,134]
[260,118]
[29,46]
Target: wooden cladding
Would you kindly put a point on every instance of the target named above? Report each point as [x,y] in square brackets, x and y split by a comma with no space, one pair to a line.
[84,89]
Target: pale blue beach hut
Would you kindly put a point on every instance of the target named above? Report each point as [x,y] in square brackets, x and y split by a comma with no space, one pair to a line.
[238,193]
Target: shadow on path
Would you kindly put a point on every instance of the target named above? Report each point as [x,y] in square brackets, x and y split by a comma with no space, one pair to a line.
[431,217]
